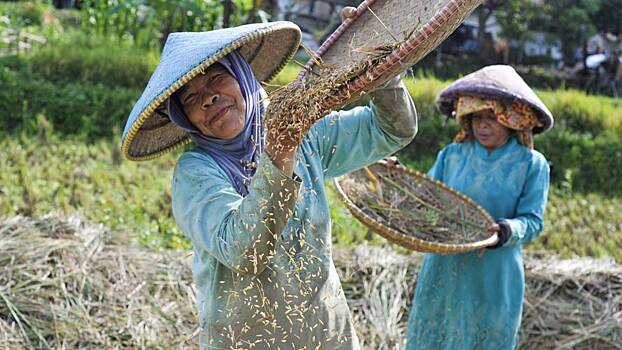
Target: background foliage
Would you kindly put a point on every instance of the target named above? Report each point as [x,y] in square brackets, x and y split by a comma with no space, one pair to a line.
[43,174]
[64,101]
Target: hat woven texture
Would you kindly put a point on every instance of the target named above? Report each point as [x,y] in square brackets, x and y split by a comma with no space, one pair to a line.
[500,82]
[149,132]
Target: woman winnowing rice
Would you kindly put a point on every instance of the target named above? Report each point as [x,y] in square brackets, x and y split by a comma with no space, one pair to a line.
[256,209]
[470,300]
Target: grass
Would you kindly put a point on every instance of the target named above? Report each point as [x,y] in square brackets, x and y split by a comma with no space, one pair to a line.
[39,176]
[70,176]
[582,224]
[572,108]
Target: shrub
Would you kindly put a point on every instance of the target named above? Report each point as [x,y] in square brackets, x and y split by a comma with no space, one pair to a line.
[583,162]
[24,13]
[581,113]
[78,58]
[582,224]
[543,78]
[89,110]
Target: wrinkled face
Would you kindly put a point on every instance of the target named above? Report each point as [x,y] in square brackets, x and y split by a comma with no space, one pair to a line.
[214,103]
[488,131]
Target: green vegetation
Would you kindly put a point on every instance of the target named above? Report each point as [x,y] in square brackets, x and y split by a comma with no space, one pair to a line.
[64,102]
[40,175]
[80,58]
[45,174]
[582,224]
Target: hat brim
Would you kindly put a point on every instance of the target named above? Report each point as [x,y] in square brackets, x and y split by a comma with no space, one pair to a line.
[149,132]
[495,82]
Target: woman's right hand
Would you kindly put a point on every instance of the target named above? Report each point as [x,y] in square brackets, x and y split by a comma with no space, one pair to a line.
[284,137]
[348,12]
[283,157]
[503,232]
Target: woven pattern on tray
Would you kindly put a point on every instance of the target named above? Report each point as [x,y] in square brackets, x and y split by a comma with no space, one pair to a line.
[385,37]
[415,211]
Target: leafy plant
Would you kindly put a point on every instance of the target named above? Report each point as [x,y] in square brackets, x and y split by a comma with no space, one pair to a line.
[148,23]
[43,175]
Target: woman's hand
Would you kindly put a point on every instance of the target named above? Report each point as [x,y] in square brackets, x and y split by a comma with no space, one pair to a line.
[494,228]
[348,12]
[283,138]
[391,162]
[283,157]
[502,230]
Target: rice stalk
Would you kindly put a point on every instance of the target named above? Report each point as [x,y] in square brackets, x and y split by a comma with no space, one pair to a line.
[66,284]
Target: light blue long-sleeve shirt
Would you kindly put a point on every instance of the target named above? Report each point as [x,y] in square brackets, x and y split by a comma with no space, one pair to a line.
[467,301]
[262,263]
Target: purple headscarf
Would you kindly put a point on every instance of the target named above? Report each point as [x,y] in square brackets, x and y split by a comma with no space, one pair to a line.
[238,156]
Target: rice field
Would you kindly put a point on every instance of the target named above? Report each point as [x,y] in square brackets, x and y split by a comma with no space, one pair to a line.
[42,175]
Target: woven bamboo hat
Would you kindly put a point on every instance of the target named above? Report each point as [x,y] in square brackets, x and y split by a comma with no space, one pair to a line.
[405,30]
[149,132]
[499,82]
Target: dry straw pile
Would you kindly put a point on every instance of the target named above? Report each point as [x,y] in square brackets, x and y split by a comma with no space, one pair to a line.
[570,304]
[65,284]
[68,285]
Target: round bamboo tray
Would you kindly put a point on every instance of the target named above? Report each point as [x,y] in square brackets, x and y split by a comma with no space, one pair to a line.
[385,37]
[414,210]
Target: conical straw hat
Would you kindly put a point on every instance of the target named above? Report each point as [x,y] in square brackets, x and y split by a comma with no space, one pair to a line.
[266,46]
[495,82]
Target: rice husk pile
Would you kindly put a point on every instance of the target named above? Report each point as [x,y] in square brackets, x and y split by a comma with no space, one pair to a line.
[66,284]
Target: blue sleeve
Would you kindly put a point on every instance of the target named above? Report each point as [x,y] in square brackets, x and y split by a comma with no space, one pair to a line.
[529,219]
[437,169]
[349,140]
[240,232]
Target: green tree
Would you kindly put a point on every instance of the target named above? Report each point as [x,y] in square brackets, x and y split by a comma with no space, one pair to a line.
[149,22]
[569,21]
[515,18]
[609,16]
[483,13]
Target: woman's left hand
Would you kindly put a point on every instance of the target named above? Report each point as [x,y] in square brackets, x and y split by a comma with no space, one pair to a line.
[494,228]
[348,12]
[503,232]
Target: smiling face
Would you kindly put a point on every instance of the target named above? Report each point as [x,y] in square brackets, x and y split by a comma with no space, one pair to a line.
[214,103]
[488,131]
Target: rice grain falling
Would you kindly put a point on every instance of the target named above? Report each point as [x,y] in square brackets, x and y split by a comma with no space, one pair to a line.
[295,107]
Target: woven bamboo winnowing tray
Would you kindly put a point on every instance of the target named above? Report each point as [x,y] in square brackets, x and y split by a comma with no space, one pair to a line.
[409,29]
[414,210]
